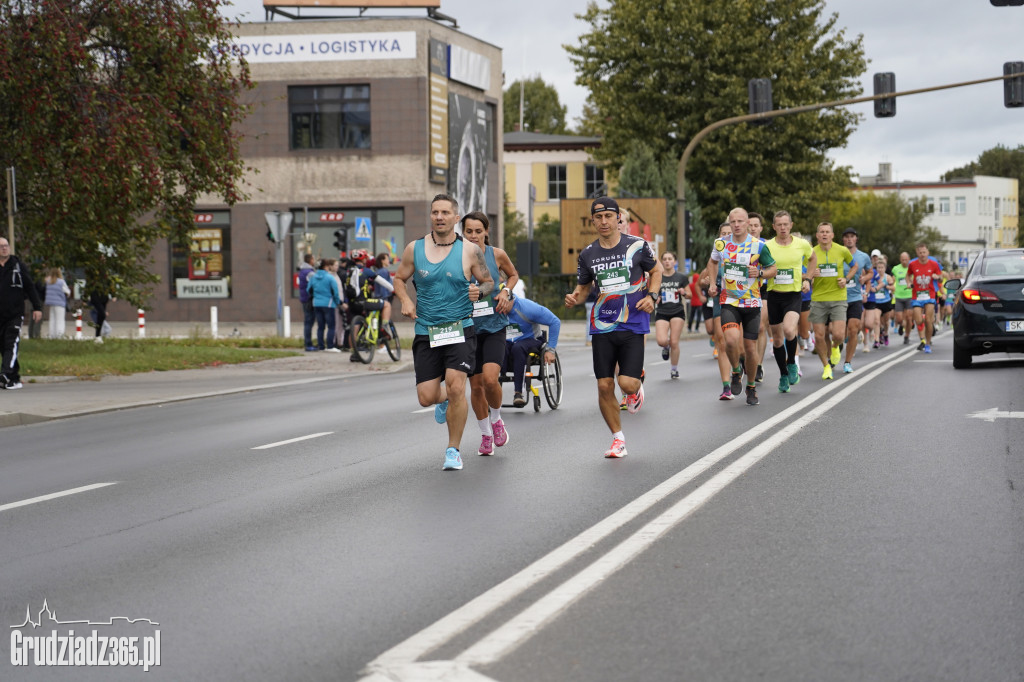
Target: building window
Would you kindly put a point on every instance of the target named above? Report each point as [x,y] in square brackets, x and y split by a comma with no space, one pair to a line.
[929,205]
[961,205]
[329,116]
[202,269]
[943,205]
[557,185]
[997,213]
[594,181]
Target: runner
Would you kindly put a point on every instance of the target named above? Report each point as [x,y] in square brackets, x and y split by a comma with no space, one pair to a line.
[745,261]
[828,297]
[441,265]
[878,294]
[670,315]
[856,276]
[923,275]
[903,297]
[619,264]
[490,318]
[793,257]
[756,222]
[714,319]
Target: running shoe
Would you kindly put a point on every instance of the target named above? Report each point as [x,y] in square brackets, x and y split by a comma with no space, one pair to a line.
[634,401]
[899,330]
[752,395]
[759,374]
[452,460]
[886,340]
[866,349]
[906,340]
[674,374]
[726,394]
[847,368]
[500,434]
[715,353]
[921,345]
[618,449]
[486,446]
[441,412]
[664,353]
[826,373]
[927,349]
[736,382]
[877,345]
[784,384]
[518,400]
[793,374]
[834,358]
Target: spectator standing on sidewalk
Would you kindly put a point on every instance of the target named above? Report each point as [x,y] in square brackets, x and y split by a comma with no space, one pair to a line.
[56,300]
[305,270]
[323,287]
[35,329]
[15,287]
[98,300]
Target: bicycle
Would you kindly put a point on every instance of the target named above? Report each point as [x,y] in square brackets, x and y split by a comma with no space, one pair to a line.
[365,332]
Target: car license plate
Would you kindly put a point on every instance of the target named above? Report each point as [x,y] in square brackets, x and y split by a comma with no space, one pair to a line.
[1015,325]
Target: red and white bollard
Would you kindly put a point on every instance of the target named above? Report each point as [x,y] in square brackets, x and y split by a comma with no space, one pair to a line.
[78,324]
[142,323]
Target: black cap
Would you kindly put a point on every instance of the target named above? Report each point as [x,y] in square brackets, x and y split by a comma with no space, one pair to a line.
[604,204]
[850,230]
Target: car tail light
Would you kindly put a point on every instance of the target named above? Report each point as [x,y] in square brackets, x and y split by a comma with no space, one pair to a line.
[975,295]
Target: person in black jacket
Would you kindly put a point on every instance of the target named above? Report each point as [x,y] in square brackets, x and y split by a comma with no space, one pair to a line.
[15,286]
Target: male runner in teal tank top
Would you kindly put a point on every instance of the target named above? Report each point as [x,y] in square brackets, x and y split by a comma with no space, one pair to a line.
[441,265]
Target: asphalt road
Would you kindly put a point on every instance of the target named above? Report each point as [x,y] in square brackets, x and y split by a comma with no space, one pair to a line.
[863,529]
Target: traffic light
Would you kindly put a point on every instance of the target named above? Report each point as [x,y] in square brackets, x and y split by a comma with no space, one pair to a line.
[341,240]
[1013,88]
[270,235]
[759,91]
[884,84]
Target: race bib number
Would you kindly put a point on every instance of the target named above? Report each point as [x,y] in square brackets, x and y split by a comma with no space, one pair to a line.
[735,271]
[513,332]
[484,306]
[784,276]
[829,270]
[615,279]
[924,295]
[669,295]
[446,334]
[852,283]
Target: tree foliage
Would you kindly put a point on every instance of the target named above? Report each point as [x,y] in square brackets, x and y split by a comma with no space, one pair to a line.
[659,71]
[543,111]
[884,221]
[1000,162]
[117,116]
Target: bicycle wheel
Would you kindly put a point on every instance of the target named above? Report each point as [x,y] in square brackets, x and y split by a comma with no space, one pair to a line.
[551,378]
[361,343]
[392,344]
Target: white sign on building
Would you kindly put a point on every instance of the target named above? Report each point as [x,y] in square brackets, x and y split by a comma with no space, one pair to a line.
[326,47]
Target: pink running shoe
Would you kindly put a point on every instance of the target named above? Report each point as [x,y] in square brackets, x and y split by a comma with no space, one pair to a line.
[617,450]
[485,446]
[635,401]
[500,434]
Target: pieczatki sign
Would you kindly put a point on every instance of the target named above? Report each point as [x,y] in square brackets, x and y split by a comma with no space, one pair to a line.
[326,47]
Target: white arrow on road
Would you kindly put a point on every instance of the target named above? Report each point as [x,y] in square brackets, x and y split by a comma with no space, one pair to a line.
[993,413]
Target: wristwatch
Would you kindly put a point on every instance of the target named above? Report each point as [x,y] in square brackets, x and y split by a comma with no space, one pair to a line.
[654,297]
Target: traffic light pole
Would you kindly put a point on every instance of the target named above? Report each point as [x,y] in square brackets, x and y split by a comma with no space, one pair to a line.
[681,176]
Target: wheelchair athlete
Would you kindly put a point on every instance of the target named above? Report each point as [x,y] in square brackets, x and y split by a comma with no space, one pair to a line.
[520,340]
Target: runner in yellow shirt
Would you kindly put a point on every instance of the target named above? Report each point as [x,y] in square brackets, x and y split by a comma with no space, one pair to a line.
[785,290]
[828,296]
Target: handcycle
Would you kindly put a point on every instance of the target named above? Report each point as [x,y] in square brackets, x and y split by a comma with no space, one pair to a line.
[549,374]
[366,334]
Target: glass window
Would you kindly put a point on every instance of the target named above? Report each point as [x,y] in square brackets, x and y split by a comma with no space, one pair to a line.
[329,116]
[961,205]
[943,205]
[203,268]
[557,185]
[930,205]
[594,181]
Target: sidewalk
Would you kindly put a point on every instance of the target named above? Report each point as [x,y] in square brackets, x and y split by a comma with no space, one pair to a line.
[45,398]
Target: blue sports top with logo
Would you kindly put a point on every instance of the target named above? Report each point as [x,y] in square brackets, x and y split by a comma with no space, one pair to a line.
[620,275]
[442,290]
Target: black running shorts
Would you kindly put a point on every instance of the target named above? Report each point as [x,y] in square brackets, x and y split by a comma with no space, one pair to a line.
[432,363]
[618,348]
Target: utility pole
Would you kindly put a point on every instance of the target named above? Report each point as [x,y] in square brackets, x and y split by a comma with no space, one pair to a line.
[279,224]
[684,159]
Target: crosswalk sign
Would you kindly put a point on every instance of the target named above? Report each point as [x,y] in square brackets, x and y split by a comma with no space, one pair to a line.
[363,227]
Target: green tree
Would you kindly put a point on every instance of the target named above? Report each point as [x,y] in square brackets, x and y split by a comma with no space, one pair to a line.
[543,112]
[661,70]
[1000,162]
[885,222]
[118,116]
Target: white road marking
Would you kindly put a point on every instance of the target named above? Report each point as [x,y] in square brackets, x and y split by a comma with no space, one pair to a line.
[475,610]
[942,362]
[424,410]
[993,413]
[513,633]
[291,440]
[51,496]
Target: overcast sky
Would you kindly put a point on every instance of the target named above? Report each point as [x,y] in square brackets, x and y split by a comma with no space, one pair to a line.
[924,42]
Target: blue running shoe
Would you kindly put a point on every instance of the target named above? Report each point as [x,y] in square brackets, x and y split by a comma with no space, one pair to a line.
[847,368]
[441,412]
[927,348]
[452,460]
